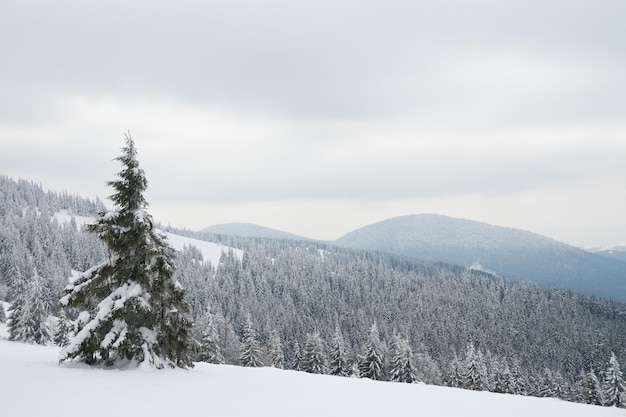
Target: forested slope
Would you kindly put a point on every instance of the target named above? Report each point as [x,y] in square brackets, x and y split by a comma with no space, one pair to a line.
[299,291]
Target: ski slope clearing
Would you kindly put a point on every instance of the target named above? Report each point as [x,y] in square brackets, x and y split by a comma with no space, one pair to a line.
[211,252]
[33,385]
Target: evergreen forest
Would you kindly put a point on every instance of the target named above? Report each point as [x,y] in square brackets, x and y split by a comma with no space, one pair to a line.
[319,308]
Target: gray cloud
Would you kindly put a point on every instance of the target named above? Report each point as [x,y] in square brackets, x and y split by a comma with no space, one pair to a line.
[317,59]
[432,174]
[241,101]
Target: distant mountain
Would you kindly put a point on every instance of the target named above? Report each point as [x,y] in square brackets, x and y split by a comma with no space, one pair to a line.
[250,230]
[617,252]
[511,253]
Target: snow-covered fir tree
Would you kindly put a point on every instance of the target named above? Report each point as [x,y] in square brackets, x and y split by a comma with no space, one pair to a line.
[29,314]
[250,349]
[546,385]
[17,311]
[62,330]
[613,384]
[296,363]
[209,350]
[314,356]
[131,307]
[401,361]
[339,365]
[592,390]
[275,350]
[38,311]
[475,374]
[371,362]
[502,380]
[3,317]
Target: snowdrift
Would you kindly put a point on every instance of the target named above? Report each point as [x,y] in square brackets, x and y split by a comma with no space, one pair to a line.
[34,385]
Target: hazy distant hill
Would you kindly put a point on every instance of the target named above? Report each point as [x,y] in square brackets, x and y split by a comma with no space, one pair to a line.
[249,230]
[617,252]
[511,253]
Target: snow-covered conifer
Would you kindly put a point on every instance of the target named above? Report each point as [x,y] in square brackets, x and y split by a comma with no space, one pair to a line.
[296,363]
[3,317]
[17,310]
[209,340]
[250,350]
[372,360]
[592,391]
[545,387]
[62,330]
[338,358]
[38,310]
[475,375]
[401,361]
[314,357]
[29,313]
[131,307]
[614,386]
[275,349]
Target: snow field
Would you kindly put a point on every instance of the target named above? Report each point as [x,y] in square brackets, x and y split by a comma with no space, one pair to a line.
[34,385]
[211,252]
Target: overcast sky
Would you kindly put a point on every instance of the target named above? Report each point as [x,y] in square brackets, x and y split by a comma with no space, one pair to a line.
[319,117]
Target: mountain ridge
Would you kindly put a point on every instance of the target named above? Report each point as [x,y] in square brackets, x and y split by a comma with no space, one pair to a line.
[511,253]
[250,230]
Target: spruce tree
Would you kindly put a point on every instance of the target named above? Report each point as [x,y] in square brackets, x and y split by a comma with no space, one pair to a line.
[401,361]
[296,363]
[276,355]
[314,358]
[250,350]
[371,362]
[592,391]
[614,386]
[62,330]
[131,307]
[209,340]
[3,317]
[17,311]
[475,375]
[29,314]
[37,314]
[338,359]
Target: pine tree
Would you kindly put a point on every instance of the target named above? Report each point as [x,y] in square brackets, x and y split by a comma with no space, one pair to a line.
[546,384]
[131,307]
[519,384]
[475,375]
[314,358]
[614,386]
[503,380]
[276,355]
[401,362]
[338,361]
[209,340]
[3,317]
[17,311]
[29,314]
[296,363]
[250,350]
[36,318]
[592,391]
[62,330]
[372,360]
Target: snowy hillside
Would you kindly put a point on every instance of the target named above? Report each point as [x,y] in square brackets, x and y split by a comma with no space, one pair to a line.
[250,230]
[511,253]
[37,387]
[211,252]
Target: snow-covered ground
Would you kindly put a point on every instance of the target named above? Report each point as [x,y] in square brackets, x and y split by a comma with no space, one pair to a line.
[211,252]
[33,384]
